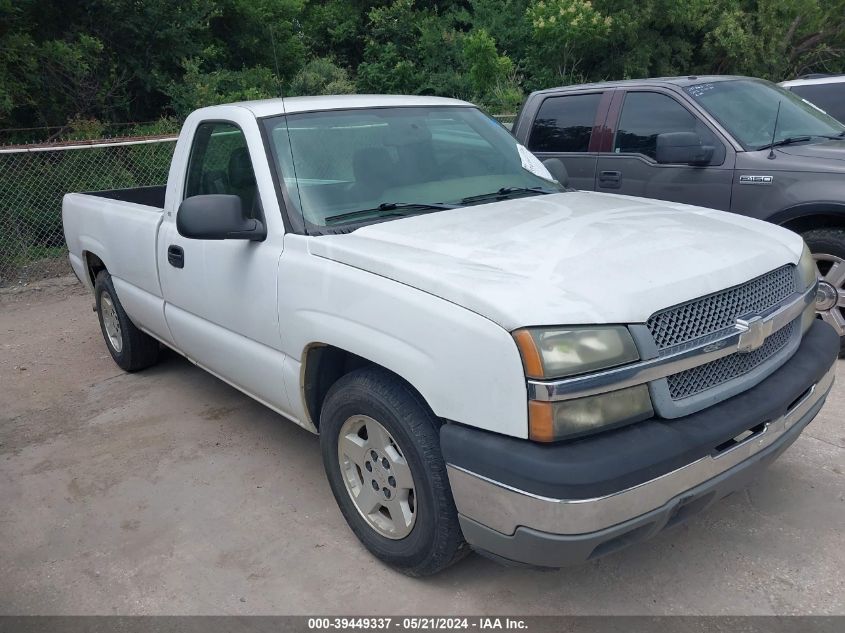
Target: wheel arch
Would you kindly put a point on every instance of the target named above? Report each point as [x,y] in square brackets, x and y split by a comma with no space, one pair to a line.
[93,265]
[811,215]
[323,364]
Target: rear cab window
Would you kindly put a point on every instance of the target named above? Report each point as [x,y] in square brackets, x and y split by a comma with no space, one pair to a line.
[564,123]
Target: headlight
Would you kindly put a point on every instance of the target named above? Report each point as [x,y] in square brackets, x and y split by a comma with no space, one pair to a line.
[558,352]
[807,271]
[551,421]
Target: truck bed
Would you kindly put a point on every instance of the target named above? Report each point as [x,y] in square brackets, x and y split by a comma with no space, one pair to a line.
[148,196]
[121,228]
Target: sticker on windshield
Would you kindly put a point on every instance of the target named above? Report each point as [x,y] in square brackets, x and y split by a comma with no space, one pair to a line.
[699,89]
[532,163]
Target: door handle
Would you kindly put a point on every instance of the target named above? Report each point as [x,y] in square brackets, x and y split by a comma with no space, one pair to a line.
[610,179]
[176,256]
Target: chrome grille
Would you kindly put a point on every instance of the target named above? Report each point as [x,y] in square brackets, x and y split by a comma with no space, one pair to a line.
[693,381]
[707,315]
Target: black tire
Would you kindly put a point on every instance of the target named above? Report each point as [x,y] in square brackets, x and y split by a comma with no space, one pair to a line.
[435,540]
[829,242]
[137,349]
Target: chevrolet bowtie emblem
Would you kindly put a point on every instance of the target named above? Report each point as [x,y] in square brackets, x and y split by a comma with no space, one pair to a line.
[753,333]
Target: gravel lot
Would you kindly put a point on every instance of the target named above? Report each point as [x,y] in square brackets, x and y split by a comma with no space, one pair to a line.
[168,492]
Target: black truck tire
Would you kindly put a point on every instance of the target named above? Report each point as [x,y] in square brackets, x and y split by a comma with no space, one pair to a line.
[393,432]
[130,348]
[828,248]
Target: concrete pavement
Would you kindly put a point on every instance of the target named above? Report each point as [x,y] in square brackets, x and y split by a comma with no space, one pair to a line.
[169,492]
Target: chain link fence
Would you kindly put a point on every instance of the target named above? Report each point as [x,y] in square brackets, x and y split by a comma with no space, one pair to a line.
[33,180]
[505,119]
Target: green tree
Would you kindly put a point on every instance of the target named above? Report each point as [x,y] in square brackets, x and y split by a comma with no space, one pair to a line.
[412,50]
[138,60]
[321,76]
[486,67]
[566,33]
[777,38]
[198,88]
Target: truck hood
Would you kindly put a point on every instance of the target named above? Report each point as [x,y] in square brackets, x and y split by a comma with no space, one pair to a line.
[570,258]
[832,150]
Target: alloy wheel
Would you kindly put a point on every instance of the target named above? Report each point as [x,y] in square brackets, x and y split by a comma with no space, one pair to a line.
[377,476]
[830,298]
[111,323]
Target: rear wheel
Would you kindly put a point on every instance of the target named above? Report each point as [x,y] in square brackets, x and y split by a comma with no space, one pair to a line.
[828,248]
[381,452]
[130,348]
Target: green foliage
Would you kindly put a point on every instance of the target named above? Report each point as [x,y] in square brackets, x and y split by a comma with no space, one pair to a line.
[198,88]
[82,70]
[113,61]
[321,76]
[566,33]
[486,67]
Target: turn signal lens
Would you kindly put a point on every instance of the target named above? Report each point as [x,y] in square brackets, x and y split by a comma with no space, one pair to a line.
[551,421]
[559,352]
[540,421]
[530,355]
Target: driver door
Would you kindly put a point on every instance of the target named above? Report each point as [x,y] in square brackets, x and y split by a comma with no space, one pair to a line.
[631,168]
[220,295]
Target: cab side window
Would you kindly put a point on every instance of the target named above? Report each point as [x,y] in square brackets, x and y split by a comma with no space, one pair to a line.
[564,124]
[647,114]
[220,163]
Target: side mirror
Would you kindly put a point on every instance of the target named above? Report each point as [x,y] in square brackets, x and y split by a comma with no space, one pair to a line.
[558,170]
[683,148]
[217,217]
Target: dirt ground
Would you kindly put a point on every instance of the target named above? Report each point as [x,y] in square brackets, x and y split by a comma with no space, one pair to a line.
[169,492]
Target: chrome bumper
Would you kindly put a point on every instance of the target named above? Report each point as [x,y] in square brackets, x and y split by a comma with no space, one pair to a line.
[504,509]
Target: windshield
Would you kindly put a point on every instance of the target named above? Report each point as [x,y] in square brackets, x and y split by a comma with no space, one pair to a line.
[747,108]
[343,167]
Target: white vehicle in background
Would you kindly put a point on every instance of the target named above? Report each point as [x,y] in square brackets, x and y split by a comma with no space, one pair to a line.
[826,92]
[488,357]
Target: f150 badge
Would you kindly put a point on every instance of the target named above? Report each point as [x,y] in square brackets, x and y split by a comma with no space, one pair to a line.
[756,180]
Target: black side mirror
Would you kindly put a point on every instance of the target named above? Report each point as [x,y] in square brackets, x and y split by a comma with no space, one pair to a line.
[558,170]
[217,217]
[683,148]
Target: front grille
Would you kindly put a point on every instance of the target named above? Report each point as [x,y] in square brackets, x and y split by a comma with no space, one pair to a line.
[693,381]
[708,315]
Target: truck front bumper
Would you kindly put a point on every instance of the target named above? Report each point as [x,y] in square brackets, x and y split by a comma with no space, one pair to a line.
[557,505]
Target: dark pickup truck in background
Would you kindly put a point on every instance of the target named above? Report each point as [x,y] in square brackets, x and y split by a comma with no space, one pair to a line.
[730,143]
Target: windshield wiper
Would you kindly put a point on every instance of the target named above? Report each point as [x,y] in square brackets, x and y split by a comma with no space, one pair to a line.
[506,192]
[786,141]
[392,209]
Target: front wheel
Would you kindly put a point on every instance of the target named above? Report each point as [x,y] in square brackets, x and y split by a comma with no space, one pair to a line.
[381,451]
[828,248]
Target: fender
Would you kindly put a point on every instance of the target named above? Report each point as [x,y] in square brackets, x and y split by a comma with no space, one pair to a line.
[465,366]
[833,211]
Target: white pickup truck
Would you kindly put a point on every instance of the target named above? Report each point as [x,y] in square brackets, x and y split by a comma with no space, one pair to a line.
[490,358]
